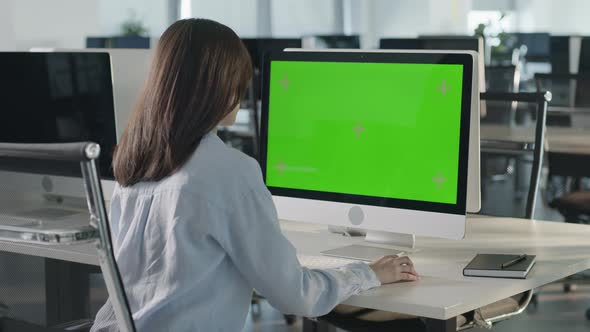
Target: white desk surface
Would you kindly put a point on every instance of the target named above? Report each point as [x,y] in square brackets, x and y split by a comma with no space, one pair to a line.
[558,139]
[78,253]
[442,293]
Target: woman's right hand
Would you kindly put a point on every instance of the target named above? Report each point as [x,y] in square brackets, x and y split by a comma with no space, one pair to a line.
[390,269]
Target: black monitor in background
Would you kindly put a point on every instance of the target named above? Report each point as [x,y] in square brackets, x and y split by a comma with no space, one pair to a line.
[559,54]
[401,44]
[537,44]
[584,66]
[118,42]
[258,47]
[335,41]
[431,43]
[130,42]
[96,42]
[57,98]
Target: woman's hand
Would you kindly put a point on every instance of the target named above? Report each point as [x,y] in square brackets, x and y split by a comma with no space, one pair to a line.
[390,269]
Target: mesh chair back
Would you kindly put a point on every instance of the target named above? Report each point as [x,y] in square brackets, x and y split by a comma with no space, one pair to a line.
[536,145]
[85,153]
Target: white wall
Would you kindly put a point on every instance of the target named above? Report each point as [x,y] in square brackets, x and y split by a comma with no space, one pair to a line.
[288,18]
[67,23]
[56,23]
[153,13]
[6,26]
[295,18]
[557,17]
[240,15]
[409,18]
[448,17]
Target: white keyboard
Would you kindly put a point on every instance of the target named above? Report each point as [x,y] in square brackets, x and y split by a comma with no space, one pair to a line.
[322,262]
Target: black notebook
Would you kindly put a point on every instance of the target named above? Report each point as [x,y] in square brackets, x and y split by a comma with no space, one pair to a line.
[490,265]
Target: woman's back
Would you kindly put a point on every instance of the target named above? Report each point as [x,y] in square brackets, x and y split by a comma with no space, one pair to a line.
[194,227]
[169,239]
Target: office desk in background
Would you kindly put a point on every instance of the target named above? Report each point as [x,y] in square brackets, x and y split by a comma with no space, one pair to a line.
[443,292]
[568,149]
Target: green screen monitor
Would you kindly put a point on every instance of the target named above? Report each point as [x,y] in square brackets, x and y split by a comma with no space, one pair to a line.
[373,140]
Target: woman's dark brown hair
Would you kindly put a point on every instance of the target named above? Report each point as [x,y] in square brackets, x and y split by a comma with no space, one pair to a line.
[200,71]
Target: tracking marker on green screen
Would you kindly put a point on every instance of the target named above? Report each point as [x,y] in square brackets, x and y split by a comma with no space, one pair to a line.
[358,129]
[443,88]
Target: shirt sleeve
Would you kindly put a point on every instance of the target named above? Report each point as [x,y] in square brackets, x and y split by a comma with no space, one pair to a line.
[256,245]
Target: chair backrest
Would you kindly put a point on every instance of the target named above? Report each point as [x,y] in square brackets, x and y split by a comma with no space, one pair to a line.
[569,90]
[85,153]
[559,54]
[539,100]
[504,79]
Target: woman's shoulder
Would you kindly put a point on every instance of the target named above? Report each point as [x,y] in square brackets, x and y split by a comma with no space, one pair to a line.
[218,167]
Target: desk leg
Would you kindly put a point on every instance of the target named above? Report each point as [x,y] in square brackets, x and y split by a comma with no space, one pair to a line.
[438,325]
[315,326]
[67,291]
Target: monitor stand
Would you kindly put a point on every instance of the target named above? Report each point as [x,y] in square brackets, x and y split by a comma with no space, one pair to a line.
[377,244]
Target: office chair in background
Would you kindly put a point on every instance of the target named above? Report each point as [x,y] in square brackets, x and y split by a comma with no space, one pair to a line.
[87,154]
[510,307]
[500,79]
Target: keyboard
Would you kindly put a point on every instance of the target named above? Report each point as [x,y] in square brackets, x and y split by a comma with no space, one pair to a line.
[322,262]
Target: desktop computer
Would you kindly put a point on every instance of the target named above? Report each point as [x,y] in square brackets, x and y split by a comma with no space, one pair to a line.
[374,140]
[56,97]
[130,69]
[332,41]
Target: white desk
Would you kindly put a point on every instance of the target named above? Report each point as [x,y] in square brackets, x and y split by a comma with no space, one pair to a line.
[568,149]
[76,253]
[442,293]
[568,110]
[558,139]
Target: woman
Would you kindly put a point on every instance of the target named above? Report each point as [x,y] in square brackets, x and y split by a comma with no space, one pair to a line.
[194,227]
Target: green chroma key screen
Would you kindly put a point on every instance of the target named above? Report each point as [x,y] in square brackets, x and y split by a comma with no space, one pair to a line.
[373,129]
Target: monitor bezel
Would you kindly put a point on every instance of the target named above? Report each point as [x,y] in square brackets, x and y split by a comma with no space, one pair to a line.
[466,60]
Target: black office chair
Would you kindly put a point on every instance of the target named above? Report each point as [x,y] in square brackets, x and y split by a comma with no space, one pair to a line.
[505,78]
[569,91]
[533,143]
[85,153]
[514,305]
[502,79]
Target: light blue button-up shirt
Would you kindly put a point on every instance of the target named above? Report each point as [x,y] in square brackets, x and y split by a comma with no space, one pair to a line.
[192,247]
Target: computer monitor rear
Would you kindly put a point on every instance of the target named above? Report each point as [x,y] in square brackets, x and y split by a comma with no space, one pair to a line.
[378,141]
